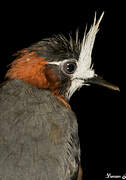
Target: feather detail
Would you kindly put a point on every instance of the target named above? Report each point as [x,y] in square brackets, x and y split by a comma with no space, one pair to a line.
[84,65]
[30,68]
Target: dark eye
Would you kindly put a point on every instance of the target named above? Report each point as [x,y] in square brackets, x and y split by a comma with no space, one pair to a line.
[69,67]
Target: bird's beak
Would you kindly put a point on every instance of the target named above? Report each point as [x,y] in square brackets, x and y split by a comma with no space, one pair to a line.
[100,81]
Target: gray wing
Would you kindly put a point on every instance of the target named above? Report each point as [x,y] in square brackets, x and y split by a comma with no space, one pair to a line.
[38,135]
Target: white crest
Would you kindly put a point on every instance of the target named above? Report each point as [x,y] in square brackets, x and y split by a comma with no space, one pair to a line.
[84,69]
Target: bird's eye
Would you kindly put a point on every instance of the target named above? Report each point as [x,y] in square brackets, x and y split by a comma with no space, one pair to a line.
[69,67]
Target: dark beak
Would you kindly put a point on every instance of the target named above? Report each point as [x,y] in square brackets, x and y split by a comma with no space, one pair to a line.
[100,81]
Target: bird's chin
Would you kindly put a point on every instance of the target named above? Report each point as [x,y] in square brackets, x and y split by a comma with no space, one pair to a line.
[75,84]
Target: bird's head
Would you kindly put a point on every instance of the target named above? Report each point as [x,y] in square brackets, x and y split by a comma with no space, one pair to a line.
[59,64]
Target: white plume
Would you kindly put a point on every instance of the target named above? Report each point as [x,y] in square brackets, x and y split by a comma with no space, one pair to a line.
[84,69]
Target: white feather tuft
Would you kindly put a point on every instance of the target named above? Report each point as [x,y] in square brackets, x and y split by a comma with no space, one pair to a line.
[84,66]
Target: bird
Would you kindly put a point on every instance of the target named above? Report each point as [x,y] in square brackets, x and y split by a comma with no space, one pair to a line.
[38,129]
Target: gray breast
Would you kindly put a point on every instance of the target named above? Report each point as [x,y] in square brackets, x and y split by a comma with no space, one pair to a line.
[38,135]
